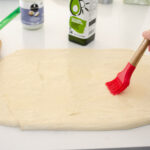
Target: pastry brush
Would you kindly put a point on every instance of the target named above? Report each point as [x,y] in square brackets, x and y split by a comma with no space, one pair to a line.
[122,81]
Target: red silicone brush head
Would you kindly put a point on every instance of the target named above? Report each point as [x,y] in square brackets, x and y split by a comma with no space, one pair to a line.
[114,85]
[122,81]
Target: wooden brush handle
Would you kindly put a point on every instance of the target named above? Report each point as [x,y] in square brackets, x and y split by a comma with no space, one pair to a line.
[139,53]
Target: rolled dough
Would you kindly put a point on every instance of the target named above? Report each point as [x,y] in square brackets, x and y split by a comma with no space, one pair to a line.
[65,90]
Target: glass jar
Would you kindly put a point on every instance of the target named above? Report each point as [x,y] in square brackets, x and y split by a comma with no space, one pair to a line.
[32,13]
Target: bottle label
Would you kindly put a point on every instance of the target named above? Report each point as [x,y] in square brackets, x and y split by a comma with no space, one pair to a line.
[82,18]
[32,12]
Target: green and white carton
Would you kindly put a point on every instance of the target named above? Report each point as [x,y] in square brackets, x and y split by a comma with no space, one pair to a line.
[82,21]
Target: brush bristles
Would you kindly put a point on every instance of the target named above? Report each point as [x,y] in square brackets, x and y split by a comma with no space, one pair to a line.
[122,81]
[116,86]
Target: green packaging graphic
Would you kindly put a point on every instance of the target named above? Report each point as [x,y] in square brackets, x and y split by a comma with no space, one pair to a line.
[75,7]
[77,24]
[82,21]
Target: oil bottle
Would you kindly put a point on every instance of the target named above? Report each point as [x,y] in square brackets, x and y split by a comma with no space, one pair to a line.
[82,21]
[32,13]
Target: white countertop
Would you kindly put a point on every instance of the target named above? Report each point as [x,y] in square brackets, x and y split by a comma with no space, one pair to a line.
[118,26]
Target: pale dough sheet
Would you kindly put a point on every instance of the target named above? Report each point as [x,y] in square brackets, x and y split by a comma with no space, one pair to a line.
[6,117]
[65,90]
